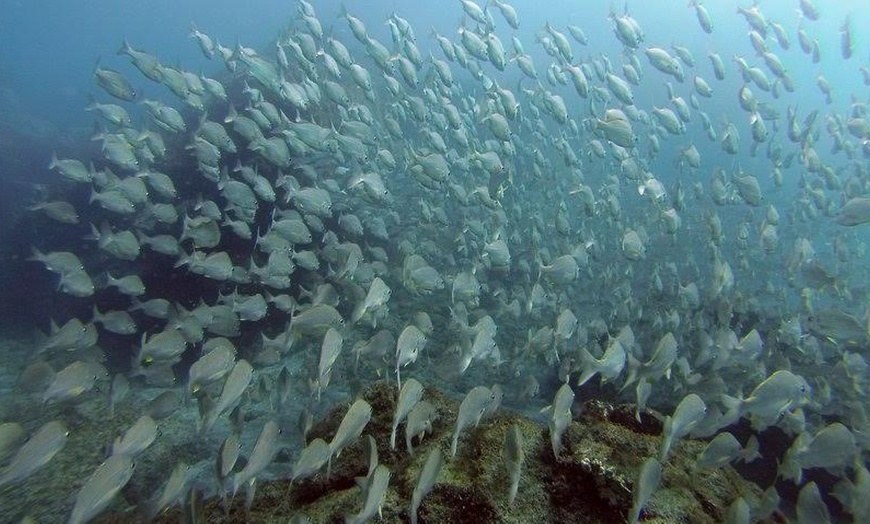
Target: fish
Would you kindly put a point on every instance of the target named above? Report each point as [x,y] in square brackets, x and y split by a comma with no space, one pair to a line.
[688,413]
[426,481]
[608,367]
[59,210]
[350,428]
[846,45]
[725,448]
[376,346]
[163,405]
[810,505]
[648,481]
[617,128]
[312,458]
[703,16]
[61,262]
[211,367]
[39,449]
[809,10]
[166,345]
[72,381]
[77,283]
[73,335]
[563,270]
[71,169]
[471,410]
[408,346]
[419,422]
[236,383]
[855,211]
[780,392]
[146,63]
[316,320]
[833,447]
[206,45]
[409,396]
[101,487]
[11,434]
[560,417]
[172,493]
[137,438]
[329,352]
[265,449]
[376,491]
[115,84]
[227,456]
[633,247]
[376,297]
[514,457]
[119,322]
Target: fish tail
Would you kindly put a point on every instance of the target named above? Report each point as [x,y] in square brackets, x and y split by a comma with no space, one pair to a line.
[125,47]
[732,406]
[750,453]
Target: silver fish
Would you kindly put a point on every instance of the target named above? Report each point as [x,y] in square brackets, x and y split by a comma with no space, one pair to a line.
[330,349]
[36,452]
[560,416]
[410,394]
[780,392]
[514,457]
[724,448]
[471,409]
[236,383]
[419,422]
[313,457]
[70,382]
[810,505]
[102,486]
[378,295]
[115,84]
[11,433]
[647,482]
[265,449]
[137,438]
[375,493]
[411,341]
[172,493]
[71,169]
[688,413]
[61,211]
[119,322]
[351,427]
[210,367]
[426,481]
[166,345]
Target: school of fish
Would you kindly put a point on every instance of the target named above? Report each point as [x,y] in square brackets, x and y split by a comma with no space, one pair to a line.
[471,210]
